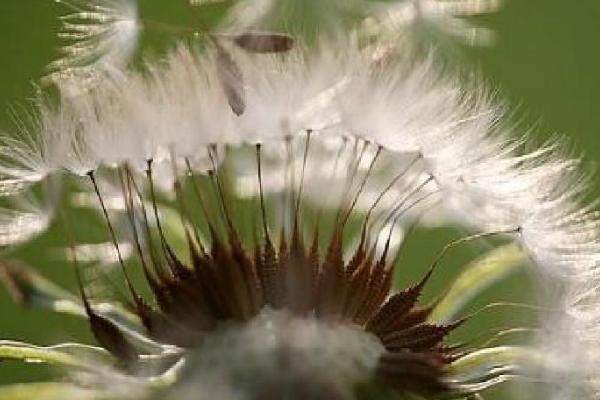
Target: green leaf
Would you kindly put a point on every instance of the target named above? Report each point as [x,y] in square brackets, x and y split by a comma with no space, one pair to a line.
[50,391]
[64,355]
[477,277]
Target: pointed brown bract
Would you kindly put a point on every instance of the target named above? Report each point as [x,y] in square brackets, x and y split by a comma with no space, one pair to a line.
[407,371]
[332,281]
[165,330]
[357,288]
[418,337]
[359,256]
[108,334]
[269,274]
[111,338]
[298,278]
[374,289]
[396,309]
[249,277]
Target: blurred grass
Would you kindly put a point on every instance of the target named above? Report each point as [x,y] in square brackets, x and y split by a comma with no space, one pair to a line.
[545,63]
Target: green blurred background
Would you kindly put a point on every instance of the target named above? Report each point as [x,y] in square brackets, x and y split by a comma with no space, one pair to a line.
[545,63]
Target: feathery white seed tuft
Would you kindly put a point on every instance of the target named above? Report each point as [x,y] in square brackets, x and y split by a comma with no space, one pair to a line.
[101,37]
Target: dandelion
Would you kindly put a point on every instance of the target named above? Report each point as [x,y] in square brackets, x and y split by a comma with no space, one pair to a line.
[263,190]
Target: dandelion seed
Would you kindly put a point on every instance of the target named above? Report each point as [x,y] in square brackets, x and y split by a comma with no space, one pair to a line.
[23,222]
[103,36]
[36,149]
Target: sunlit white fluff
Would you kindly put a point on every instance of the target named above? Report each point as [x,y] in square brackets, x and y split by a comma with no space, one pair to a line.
[101,38]
[187,94]
[289,95]
[38,146]
[180,109]
[24,219]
